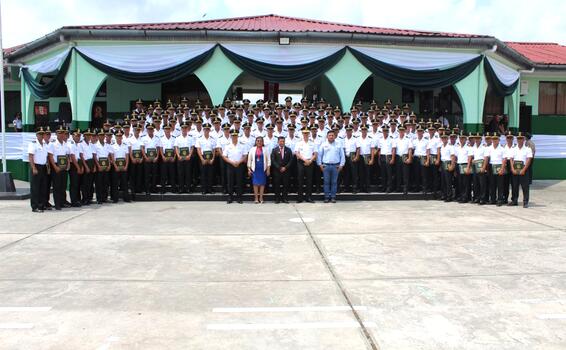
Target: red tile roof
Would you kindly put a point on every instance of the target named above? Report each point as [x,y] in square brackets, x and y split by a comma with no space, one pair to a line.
[274,23]
[541,53]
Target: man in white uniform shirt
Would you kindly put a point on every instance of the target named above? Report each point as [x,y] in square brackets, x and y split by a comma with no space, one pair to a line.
[306,153]
[103,159]
[58,154]
[367,154]
[464,157]
[205,146]
[404,158]
[419,159]
[184,148]
[448,164]
[37,154]
[235,159]
[496,156]
[150,154]
[120,162]
[521,161]
[75,169]
[386,154]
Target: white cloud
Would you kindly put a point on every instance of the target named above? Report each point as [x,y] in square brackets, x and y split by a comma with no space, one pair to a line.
[509,20]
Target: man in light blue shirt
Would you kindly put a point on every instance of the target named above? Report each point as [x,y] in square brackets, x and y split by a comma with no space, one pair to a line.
[331,160]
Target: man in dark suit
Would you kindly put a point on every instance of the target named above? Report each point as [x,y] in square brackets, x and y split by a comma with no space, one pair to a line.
[281,157]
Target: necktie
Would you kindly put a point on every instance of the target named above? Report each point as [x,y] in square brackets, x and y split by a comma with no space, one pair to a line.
[282,154]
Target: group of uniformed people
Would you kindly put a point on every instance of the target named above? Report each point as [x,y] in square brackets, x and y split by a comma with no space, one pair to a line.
[313,146]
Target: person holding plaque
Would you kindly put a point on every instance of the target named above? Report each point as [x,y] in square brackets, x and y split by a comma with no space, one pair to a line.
[448,164]
[478,180]
[521,161]
[76,169]
[205,149]
[404,150]
[58,154]
[102,159]
[464,157]
[150,146]
[167,154]
[120,162]
[184,146]
[386,154]
[135,165]
[496,157]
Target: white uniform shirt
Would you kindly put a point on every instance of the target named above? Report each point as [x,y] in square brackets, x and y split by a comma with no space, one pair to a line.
[403,145]
[386,146]
[75,149]
[39,152]
[86,150]
[58,149]
[120,151]
[521,154]
[462,154]
[305,149]
[433,145]
[446,152]
[167,143]
[350,145]
[103,150]
[205,144]
[496,154]
[420,147]
[366,144]
[184,141]
[234,152]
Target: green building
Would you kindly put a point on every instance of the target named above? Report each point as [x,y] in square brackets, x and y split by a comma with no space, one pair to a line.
[78,73]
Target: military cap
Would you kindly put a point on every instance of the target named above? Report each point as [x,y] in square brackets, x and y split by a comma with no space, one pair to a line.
[305,130]
[206,125]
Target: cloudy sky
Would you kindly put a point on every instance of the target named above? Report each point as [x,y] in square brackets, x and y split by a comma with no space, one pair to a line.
[509,20]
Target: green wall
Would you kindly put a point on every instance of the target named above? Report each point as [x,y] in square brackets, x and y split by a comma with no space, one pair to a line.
[119,94]
[543,124]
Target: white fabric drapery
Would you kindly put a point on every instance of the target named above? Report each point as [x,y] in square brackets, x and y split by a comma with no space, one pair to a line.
[144,58]
[506,75]
[416,59]
[283,55]
[49,65]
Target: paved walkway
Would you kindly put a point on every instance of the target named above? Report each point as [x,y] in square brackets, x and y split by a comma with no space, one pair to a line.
[354,275]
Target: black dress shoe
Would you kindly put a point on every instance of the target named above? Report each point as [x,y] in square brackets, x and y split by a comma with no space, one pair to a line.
[37,210]
[327,201]
[285,201]
[57,208]
[310,201]
[299,201]
[333,200]
[277,201]
[240,201]
[525,205]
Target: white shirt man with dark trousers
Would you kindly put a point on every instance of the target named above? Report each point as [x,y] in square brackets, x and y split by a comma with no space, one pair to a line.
[419,160]
[447,165]
[76,169]
[367,154]
[496,157]
[120,163]
[404,151]
[331,160]
[234,155]
[58,155]
[306,153]
[386,152]
[150,155]
[37,154]
[521,160]
[168,157]
[433,160]
[184,149]
[87,151]
[464,157]
[205,146]
[352,152]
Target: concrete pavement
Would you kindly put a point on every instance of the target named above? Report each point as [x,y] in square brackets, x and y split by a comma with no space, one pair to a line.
[354,275]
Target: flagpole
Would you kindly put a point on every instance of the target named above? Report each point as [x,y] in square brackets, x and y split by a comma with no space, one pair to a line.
[6,181]
[3,111]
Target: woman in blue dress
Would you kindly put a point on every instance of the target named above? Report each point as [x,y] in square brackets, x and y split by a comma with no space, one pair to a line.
[259,162]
